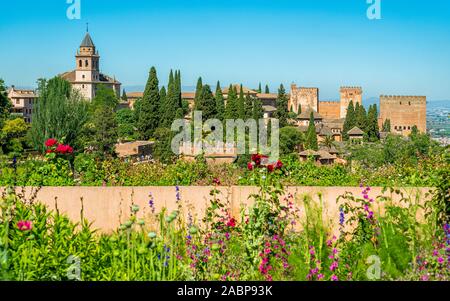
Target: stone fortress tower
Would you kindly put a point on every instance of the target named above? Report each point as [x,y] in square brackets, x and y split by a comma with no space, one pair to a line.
[307,98]
[87,76]
[349,94]
[404,112]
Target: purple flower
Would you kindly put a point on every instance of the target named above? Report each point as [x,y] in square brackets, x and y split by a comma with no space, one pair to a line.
[334,278]
[177,190]
[341,216]
[151,202]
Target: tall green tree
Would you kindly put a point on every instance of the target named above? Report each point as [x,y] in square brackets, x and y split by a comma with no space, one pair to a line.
[248,106]
[259,88]
[282,107]
[267,90]
[361,117]
[231,108]
[5,104]
[171,104]
[149,117]
[350,120]
[220,102]
[373,132]
[198,92]
[125,124]
[163,102]
[241,104]
[104,134]
[124,96]
[60,113]
[386,126]
[257,110]
[207,103]
[311,135]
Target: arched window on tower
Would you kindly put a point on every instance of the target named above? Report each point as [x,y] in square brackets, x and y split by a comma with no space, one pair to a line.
[80,63]
[86,63]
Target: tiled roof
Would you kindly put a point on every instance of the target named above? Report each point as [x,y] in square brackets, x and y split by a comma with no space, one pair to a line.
[325,155]
[267,95]
[238,89]
[355,131]
[87,41]
[309,152]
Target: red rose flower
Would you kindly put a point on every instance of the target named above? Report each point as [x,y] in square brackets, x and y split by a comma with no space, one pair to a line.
[270,167]
[279,164]
[50,142]
[250,166]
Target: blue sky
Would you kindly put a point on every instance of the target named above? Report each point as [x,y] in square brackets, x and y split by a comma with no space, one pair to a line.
[323,43]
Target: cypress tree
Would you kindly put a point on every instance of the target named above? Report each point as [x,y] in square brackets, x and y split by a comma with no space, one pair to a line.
[207,103]
[282,106]
[387,125]
[373,132]
[149,117]
[350,121]
[5,104]
[124,96]
[257,111]
[259,88]
[178,88]
[198,92]
[231,110]
[241,104]
[267,91]
[299,109]
[171,103]
[248,106]
[162,100]
[361,117]
[311,136]
[220,103]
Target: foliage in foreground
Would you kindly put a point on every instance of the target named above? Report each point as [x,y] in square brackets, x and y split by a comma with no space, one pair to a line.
[264,243]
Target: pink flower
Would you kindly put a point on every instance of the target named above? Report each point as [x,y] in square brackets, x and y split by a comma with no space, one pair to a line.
[24,225]
[51,142]
[320,276]
[231,222]
[334,278]
[440,260]
[250,166]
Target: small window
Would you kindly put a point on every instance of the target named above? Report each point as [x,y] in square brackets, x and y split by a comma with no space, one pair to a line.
[409,127]
[409,103]
[404,127]
[86,63]
[82,86]
[83,76]
[80,63]
[400,103]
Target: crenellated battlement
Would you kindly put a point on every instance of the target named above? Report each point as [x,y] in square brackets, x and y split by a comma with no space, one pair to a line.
[399,99]
[353,88]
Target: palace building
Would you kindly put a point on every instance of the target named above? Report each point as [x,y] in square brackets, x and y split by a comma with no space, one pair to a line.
[87,76]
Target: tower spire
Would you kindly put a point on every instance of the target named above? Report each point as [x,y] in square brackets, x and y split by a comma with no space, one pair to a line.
[87,27]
